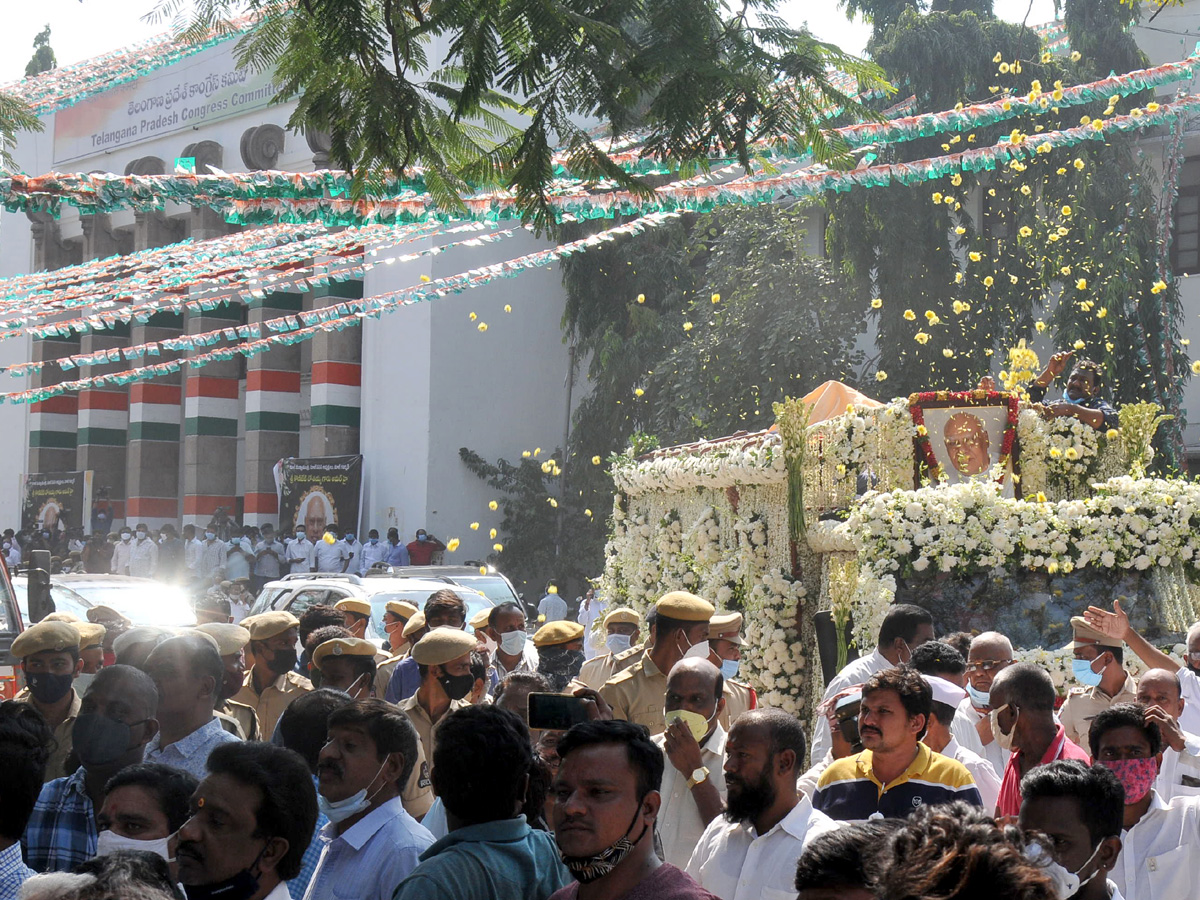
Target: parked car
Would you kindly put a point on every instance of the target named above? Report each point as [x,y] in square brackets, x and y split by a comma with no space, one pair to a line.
[491,584]
[65,599]
[143,601]
[11,625]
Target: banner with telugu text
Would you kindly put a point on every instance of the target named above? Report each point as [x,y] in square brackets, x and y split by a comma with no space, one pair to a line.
[318,492]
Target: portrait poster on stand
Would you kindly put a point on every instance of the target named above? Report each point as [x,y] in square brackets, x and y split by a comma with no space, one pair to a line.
[318,492]
[56,501]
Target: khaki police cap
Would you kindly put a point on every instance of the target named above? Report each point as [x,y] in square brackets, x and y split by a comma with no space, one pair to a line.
[61,617]
[353,605]
[342,647]
[242,579]
[415,624]
[267,625]
[622,615]
[45,636]
[443,645]
[1087,636]
[226,585]
[91,634]
[684,607]
[726,627]
[400,608]
[104,613]
[480,619]
[230,638]
[560,632]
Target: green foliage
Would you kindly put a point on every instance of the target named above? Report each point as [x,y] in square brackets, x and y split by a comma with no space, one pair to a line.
[43,59]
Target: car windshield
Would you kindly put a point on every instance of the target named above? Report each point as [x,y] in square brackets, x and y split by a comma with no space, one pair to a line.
[8,611]
[493,587]
[475,602]
[65,600]
[143,603]
[266,598]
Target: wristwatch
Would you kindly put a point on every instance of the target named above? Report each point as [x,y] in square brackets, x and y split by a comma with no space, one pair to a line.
[698,777]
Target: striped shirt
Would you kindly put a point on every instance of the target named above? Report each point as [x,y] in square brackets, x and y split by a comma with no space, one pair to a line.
[848,790]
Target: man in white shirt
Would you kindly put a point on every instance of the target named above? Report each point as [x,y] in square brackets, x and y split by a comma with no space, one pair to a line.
[750,853]
[371,843]
[143,554]
[372,552]
[354,548]
[213,556]
[693,785]
[1160,844]
[946,697]
[121,553]
[990,654]
[329,554]
[192,550]
[904,627]
[268,558]
[299,552]
[590,610]
[1179,775]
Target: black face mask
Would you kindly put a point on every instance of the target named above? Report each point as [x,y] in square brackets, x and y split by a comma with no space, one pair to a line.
[99,740]
[282,661]
[457,686]
[241,886]
[47,687]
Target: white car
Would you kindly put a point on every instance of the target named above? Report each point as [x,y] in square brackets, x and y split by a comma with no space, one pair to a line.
[65,599]
[143,601]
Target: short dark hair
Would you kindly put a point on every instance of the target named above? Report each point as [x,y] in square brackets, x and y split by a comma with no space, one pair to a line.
[1099,794]
[503,609]
[173,788]
[1093,368]
[938,658]
[902,621]
[521,681]
[143,685]
[784,730]
[128,873]
[943,712]
[914,691]
[1029,685]
[318,616]
[386,725]
[26,742]
[478,667]
[443,600]
[1120,715]
[664,626]
[304,722]
[289,800]
[843,858]
[643,754]
[480,761]
[960,641]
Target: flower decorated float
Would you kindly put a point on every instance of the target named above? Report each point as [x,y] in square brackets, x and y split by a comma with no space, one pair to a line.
[971,504]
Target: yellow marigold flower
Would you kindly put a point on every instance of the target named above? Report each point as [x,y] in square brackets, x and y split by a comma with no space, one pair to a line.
[1081,284]
[553,502]
[1012,278]
[922,430]
[482,326]
[1062,231]
[1052,567]
[588,513]
[876,303]
[1079,164]
[937,197]
[974,256]
[525,454]
[997,58]
[1041,498]
[1066,270]
[1006,105]
[1057,94]
[1196,367]
[881,375]
[960,230]
[1044,147]
[641,298]
[1097,125]
[546,466]
[1067,211]
[637,392]
[948,353]
[426,279]
[687,326]
[1136,113]
[1045,56]
[1102,312]
[499,548]
[537,451]
[1072,454]
[945,148]
[472,316]
[474,526]
[1055,453]
[910,315]
[989,281]
[956,179]
[483,571]
[1035,86]
[492,534]
[921,337]
[1085,120]
[1025,231]
[1152,107]
[960,307]
[716,298]
[1079,345]
[1076,56]
[958,277]
[595,460]
[507,308]
[452,544]
[1025,190]
[1062,170]
[1003,68]
[493,505]
[931,317]
[1159,287]
[1112,434]
[1052,237]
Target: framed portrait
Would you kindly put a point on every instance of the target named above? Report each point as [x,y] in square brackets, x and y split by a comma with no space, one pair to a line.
[965,435]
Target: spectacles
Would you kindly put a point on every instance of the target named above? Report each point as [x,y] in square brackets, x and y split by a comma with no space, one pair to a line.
[988,665]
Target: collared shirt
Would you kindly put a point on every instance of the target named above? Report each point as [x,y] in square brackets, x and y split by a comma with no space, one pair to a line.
[426,727]
[639,694]
[274,699]
[213,556]
[1062,747]
[527,663]
[238,719]
[369,859]
[405,680]
[1083,704]
[120,557]
[1160,855]
[1179,775]
[299,555]
[1189,683]
[371,554]
[679,822]
[596,671]
[963,730]
[354,548]
[143,558]
[553,608]
[1037,394]
[298,886]
[856,671]
[62,735]
[981,770]
[61,833]
[589,612]
[850,791]
[191,554]
[190,753]
[13,872]
[736,863]
[330,557]
[503,860]
[268,560]
[396,554]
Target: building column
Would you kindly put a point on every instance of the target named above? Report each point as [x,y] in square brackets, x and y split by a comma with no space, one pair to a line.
[155,412]
[104,420]
[272,411]
[210,425]
[336,379]
[53,422]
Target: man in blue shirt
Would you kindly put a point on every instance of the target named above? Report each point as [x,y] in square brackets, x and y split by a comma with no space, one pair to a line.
[395,553]
[490,853]
[25,742]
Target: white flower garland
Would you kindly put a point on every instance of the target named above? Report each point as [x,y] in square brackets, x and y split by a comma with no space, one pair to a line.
[731,462]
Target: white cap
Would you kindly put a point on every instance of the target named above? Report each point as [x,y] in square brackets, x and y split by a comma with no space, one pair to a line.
[945,691]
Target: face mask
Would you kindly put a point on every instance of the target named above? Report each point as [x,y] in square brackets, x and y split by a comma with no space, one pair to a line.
[1136,775]
[1004,740]
[698,650]
[47,687]
[618,643]
[110,842]
[373,540]
[979,699]
[340,810]
[99,740]
[208,535]
[1082,670]
[141,535]
[1066,883]
[349,539]
[421,537]
[241,886]
[587,869]
[696,723]
[729,668]
[125,537]
[283,661]
[457,686]
[513,642]
[299,535]
[82,682]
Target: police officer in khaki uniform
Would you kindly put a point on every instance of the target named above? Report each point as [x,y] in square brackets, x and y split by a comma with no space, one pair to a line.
[396,615]
[444,659]
[680,628]
[346,664]
[49,654]
[356,615]
[621,627]
[725,652]
[237,718]
[271,683]
[413,631]
[1099,668]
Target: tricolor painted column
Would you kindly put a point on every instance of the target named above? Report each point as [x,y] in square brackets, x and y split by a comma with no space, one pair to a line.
[272,411]
[155,425]
[210,424]
[104,419]
[53,422]
[336,379]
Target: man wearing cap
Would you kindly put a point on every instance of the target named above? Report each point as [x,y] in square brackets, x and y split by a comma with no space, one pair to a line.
[91,652]
[443,660]
[514,651]
[356,614]
[49,654]
[680,629]
[725,652]
[237,718]
[405,677]
[114,624]
[271,684]
[396,614]
[938,738]
[188,673]
[347,664]
[1099,667]
[560,652]
[621,630]
[330,554]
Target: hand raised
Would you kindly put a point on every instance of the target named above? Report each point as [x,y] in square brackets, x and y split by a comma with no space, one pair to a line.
[1113,624]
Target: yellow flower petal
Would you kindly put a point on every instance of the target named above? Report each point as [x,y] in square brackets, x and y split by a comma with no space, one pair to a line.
[641,298]
[1079,345]
[426,279]
[1040,326]
[588,513]
[974,256]
[1081,284]
[493,505]
[637,392]
[474,526]
[452,544]
[687,326]
[507,308]
[554,503]
[948,353]
[1196,367]
[876,303]
[1079,164]
[482,326]
[492,534]
[472,316]
[595,460]
[499,548]
[716,298]
[910,315]
[881,375]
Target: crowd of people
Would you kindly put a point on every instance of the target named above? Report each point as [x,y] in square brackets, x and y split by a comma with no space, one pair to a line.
[291,759]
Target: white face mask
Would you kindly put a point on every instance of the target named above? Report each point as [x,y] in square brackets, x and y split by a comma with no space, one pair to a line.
[1004,740]
[109,842]
[698,650]
[340,810]
[513,642]
[618,643]
[1066,883]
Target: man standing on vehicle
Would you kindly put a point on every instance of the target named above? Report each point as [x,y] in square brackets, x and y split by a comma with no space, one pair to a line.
[49,654]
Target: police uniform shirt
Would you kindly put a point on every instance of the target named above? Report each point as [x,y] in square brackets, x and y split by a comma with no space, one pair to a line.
[739,698]
[1084,703]
[243,718]
[270,704]
[639,695]
[426,727]
[62,735]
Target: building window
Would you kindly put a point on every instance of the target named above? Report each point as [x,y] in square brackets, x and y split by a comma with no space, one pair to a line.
[997,217]
[1185,243]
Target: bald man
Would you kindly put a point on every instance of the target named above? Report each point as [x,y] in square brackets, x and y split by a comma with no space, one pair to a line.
[991,653]
[1179,776]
